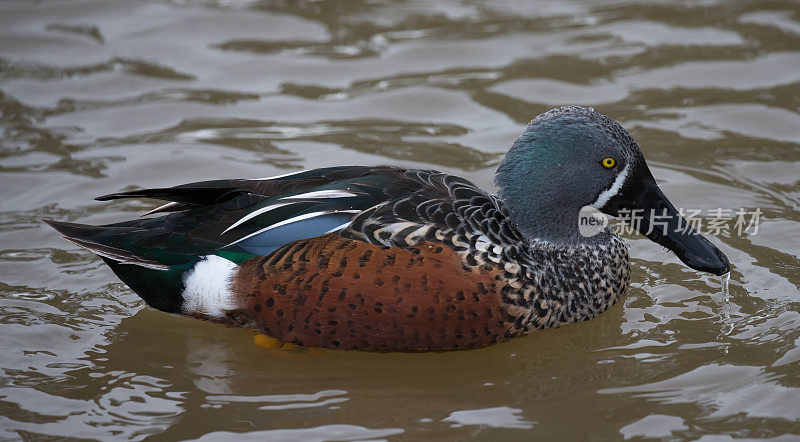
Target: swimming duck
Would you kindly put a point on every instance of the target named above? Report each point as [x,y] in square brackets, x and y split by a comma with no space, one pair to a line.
[396,259]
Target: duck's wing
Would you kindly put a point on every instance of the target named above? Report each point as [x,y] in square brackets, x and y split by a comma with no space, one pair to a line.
[437,207]
[242,218]
[236,218]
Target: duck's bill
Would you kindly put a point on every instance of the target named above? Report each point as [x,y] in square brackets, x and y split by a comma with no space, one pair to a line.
[656,218]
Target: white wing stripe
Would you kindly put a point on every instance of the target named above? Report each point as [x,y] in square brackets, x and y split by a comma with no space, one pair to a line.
[161,208]
[337,228]
[278,176]
[328,193]
[292,220]
[255,213]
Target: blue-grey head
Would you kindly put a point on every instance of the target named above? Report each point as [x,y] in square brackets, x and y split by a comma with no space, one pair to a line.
[572,157]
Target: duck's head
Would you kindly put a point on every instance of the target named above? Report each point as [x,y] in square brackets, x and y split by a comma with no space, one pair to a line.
[573,157]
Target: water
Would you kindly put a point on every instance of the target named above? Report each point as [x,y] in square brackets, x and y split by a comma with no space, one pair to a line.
[100,96]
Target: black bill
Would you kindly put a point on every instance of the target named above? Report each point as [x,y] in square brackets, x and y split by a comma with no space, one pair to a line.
[643,205]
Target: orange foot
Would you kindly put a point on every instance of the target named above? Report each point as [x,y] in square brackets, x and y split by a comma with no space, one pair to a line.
[273,343]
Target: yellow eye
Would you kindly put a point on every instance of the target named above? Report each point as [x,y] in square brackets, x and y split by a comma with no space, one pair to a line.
[609,162]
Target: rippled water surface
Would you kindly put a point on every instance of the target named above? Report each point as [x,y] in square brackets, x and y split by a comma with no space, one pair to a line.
[102,96]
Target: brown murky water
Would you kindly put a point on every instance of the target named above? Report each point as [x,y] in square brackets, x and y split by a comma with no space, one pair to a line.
[100,96]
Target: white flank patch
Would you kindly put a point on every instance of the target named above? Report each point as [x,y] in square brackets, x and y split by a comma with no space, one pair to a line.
[609,193]
[208,287]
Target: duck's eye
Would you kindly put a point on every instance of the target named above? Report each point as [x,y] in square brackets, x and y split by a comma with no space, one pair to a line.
[609,162]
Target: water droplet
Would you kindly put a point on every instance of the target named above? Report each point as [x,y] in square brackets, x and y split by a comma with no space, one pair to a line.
[727,324]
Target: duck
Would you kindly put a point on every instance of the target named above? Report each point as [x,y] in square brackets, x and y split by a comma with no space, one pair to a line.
[385,258]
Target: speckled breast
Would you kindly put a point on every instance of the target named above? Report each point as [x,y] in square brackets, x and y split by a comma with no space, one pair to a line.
[564,285]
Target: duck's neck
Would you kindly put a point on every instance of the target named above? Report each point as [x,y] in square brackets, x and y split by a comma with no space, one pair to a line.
[548,222]
[548,218]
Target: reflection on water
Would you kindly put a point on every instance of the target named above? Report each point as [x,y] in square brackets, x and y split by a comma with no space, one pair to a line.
[321,433]
[99,96]
[498,417]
